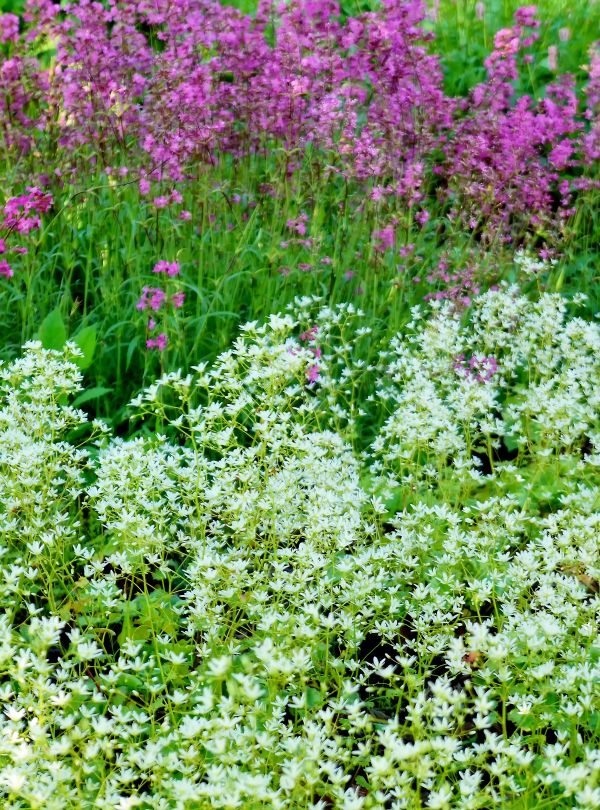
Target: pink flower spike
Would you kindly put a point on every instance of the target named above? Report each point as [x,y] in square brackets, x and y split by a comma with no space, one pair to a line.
[177,299]
[161,202]
[161,342]
[5,269]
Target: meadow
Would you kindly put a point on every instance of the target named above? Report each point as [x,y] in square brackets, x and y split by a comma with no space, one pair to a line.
[299,405]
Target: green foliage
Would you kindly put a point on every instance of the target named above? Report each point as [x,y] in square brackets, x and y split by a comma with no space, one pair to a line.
[53,335]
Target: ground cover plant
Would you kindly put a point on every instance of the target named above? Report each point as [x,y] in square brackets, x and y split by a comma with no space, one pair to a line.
[299,404]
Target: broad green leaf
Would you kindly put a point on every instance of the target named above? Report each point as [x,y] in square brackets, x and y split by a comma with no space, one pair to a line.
[86,340]
[53,333]
[90,393]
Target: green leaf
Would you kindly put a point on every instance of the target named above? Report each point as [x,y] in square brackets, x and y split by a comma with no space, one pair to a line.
[90,393]
[313,697]
[130,350]
[53,333]
[86,340]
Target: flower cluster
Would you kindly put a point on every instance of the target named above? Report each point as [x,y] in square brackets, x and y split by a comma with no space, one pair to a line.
[231,612]
[157,299]
[21,215]
[179,82]
[515,379]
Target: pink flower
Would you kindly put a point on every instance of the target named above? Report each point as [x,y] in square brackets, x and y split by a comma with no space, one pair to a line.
[298,225]
[384,238]
[170,268]
[5,269]
[483,367]
[152,298]
[185,215]
[479,367]
[312,373]
[177,299]
[160,202]
[144,186]
[310,334]
[560,154]
[526,15]
[506,41]
[9,28]
[159,342]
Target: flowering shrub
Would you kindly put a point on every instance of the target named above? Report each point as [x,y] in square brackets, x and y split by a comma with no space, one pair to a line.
[241,619]
[517,379]
[171,84]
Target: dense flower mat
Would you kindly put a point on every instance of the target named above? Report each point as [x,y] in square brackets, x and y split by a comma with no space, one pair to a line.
[234,608]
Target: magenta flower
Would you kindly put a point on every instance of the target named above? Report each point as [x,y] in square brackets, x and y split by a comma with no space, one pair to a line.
[298,225]
[526,15]
[170,268]
[152,298]
[5,269]
[384,239]
[159,342]
[310,334]
[483,367]
[177,299]
[9,28]
[312,373]
[160,202]
[478,367]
